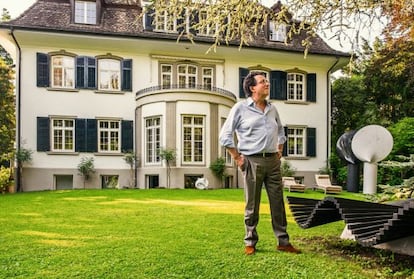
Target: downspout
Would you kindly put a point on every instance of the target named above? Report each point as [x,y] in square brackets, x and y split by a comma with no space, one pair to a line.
[18,112]
[328,113]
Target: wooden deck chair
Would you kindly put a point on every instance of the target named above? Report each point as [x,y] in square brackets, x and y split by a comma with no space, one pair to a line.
[290,184]
[323,182]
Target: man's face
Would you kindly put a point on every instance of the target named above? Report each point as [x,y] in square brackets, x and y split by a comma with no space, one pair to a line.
[261,89]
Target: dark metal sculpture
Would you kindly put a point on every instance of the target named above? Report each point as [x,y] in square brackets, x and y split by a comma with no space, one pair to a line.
[344,150]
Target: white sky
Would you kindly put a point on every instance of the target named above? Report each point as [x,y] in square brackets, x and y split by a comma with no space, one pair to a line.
[16,7]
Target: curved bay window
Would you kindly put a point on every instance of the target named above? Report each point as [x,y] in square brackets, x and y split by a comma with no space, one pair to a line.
[187,76]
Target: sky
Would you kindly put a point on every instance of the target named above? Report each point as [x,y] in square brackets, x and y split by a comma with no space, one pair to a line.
[16,7]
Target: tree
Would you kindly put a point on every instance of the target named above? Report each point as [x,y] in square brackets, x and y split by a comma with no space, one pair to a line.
[403,134]
[131,160]
[7,115]
[168,155]
[218,168]
[86,168]
[5,16]
[241,20]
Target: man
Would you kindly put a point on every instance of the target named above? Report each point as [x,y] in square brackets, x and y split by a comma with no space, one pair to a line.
[260,143]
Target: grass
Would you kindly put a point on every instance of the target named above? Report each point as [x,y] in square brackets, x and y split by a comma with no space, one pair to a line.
[170,234]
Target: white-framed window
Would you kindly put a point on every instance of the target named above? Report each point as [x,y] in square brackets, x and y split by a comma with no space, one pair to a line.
[85,12]
[109,74]
[207,77]
[152,139]
[296,86]
[165,22]
[296,141]
[109,136]
[63,71]
[166,75]
[207,29]
[187,76]
[277,32]
[63,134]
[224,152]
[193,138]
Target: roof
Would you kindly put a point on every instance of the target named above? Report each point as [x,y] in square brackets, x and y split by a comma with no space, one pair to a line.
[124,18]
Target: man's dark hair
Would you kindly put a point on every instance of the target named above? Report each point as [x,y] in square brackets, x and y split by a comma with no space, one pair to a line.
[249,80]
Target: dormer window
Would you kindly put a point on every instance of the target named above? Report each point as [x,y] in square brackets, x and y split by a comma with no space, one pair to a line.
[277,31]
[85,12]
[165,22]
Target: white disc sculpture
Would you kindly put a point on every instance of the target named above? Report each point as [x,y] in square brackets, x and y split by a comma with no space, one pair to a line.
[370,145]
[201,183]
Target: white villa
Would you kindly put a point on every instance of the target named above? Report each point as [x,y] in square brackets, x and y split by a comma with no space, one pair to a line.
[95,80]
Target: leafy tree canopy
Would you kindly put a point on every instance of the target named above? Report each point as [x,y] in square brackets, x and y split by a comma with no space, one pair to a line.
[241,19]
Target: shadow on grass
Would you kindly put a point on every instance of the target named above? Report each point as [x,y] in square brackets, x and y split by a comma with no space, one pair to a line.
[388,264]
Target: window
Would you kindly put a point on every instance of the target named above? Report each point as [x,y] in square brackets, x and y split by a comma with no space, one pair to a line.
[63,72]
[224,152]
[277,32]
[63,182]
[109,74]
[207,77]
[295,86]
[165,22]
[109,181]
[166,76]
[85,12]
[296,141]
[193,139]
[109,136]
[63,132]
[152,139]
[187,76]
[152,181]
[207,30]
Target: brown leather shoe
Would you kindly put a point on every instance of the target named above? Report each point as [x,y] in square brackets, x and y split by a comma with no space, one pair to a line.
[249,250]
[288,248]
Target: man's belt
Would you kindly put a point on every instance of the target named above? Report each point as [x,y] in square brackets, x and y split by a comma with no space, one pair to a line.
[263,154]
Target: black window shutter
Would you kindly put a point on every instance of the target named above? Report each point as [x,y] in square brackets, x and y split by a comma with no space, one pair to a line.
[311,87]
[91,135]
[278,85]
[80,133]
[127,132]
[91,73]
[285,146]
[42,69]
[80,72]
[243,72]
[311,142]
[43,134]
[149,18]
[181,22]
[127,75]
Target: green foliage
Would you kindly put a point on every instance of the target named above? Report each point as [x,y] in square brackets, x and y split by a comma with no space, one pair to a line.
[130,159]
[403,134]
[286,169]
[86,168]
[218,167]
[169,156]
[4,178]
[24,155]
[7,115]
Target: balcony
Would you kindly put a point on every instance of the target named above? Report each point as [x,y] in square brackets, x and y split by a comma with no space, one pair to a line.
[196,88]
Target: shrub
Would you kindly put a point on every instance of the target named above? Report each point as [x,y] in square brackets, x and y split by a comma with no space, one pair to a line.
[4,178]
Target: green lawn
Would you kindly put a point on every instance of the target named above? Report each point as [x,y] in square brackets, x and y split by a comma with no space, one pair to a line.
[170,234]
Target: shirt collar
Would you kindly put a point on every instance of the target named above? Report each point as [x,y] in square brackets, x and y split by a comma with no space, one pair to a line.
[250,102]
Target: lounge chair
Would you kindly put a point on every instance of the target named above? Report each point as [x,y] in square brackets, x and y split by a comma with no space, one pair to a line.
[290,184]
[323,182]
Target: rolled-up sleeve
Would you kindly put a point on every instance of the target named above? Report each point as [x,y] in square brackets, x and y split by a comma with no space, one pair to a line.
[226,137]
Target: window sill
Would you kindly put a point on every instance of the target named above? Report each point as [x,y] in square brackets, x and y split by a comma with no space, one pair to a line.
[108,154]
[73,153]
[293,102]
[62,89]
[297,158]
[109,92]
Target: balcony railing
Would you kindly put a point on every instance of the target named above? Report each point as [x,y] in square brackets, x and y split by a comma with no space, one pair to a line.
[188,87]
